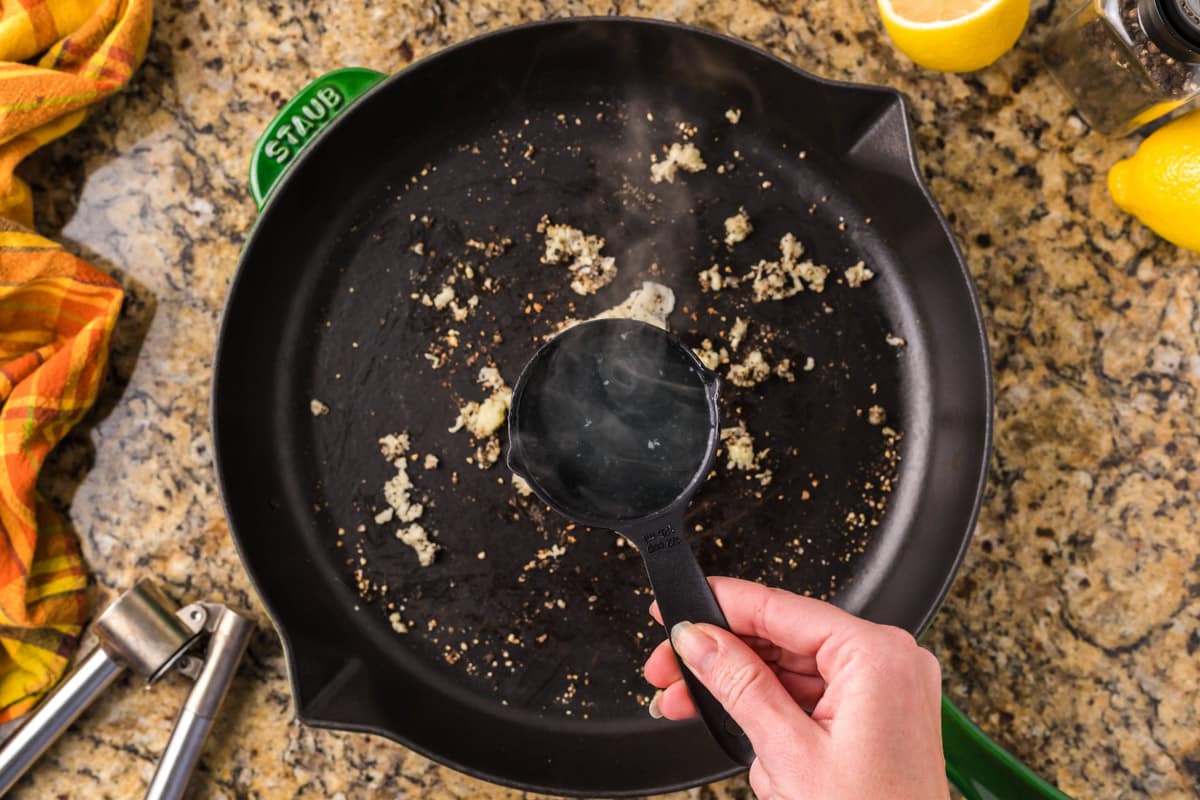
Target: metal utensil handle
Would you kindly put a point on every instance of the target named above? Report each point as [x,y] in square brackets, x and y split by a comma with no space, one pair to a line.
[230,636]
[683,594]
[60,708]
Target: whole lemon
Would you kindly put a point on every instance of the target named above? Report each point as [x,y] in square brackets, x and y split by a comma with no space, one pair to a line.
[1160,183]
[954,35]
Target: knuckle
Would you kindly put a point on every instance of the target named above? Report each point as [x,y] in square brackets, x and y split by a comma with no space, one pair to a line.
[742,684]
[896,639]
[930,664]
[895,651]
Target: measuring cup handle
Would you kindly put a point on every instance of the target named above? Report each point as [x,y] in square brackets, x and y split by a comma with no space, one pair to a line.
[683,594]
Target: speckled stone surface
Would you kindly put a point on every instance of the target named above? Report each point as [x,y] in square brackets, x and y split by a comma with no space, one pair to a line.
[1071,633]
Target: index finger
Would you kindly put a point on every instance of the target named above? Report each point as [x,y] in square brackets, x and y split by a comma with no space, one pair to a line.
[796,623]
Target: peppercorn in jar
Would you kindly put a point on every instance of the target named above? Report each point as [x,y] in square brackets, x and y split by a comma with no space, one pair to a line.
[1125,63]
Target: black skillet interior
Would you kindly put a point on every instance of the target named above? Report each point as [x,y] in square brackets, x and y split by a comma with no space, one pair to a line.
[522,665]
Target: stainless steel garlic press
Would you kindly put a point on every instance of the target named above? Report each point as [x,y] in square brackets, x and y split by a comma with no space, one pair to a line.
[146,633]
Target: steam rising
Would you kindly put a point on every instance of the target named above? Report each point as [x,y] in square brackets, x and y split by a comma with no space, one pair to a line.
[614,421]
[617,427]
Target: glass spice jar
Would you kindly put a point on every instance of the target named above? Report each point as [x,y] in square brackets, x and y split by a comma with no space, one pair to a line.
[1127,62]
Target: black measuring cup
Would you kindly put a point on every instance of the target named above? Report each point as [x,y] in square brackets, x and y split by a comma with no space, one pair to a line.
[614,424]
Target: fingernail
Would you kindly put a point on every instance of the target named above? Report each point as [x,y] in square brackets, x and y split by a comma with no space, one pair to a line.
[692,644]
[655,711]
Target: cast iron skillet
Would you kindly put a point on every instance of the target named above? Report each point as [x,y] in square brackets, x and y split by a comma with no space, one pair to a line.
[322,308]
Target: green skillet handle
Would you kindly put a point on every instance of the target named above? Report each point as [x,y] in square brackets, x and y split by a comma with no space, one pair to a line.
[298,123]
[982,769]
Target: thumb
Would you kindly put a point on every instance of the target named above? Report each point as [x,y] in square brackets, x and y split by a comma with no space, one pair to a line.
[747,688]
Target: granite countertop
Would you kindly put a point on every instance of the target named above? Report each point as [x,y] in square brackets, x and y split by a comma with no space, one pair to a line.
[1071,633]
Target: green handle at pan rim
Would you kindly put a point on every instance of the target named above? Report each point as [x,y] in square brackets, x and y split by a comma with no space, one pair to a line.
[300,120]
[980,768]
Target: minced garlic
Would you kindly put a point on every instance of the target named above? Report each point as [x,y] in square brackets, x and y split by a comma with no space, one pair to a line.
[398,493]
[739,452]
[394,445]
[710,357]
[652,304]
[753,370]
[484,419]
[813,275]
[739,448]
[417,538]
[713,280]
[444,297]
[487,453]
[857,275]
[776,280]
[684,157]
[737,227]
[737,333]
[489,378]
[590,271]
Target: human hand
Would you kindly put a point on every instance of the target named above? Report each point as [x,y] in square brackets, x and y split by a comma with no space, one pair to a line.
[872,695]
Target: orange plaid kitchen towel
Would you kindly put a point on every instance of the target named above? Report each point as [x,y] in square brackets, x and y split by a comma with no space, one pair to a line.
[57,314]
[90,47]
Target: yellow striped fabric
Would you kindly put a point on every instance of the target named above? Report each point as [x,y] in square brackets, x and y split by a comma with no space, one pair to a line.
[89,49]
[57,315]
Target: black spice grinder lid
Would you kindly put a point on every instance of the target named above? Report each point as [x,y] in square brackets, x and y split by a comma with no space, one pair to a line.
[1174,25]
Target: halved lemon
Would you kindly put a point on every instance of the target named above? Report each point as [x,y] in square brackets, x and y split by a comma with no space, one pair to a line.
[954,35]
